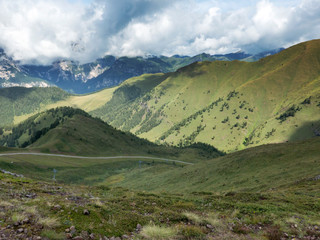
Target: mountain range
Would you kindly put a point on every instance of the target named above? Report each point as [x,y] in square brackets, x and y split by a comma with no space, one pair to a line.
[228,104]
[108,71]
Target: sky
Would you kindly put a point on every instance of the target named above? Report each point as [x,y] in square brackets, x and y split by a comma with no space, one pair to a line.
[42,31]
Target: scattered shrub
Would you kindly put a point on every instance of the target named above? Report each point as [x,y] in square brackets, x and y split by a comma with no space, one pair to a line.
[191,232]
[289,113]
[274,233]
[307,101]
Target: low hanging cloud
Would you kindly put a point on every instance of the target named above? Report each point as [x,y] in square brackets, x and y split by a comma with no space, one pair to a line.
[37,31]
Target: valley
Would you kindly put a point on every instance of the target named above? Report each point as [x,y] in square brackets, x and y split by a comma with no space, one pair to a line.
[214,150]
[160,120]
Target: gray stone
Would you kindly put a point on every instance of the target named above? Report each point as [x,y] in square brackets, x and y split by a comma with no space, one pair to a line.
[72,229]
[86,212]
[77,238]
[68,235]
[209,226]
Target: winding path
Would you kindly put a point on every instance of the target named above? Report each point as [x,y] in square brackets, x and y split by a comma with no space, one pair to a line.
[82,157]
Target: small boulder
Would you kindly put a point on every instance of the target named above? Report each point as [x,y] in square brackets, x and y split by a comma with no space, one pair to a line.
[78,238]
[138,227]
[56,207]
[84,234]
[26,221]
[209,226]
[72,229]
[86,212]
[68,235]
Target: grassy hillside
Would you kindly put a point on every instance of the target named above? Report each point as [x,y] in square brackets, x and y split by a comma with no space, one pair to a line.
[256,169]
[229,105]
[17,103]
[266,192]
[73,131]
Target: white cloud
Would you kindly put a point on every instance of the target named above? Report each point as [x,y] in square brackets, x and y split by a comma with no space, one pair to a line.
[43,31]
[210,27]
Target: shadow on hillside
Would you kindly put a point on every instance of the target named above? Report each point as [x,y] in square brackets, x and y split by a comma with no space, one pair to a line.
[307,130]
[15,93]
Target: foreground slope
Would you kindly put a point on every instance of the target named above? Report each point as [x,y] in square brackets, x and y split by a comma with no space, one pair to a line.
[33,209]
[266,192]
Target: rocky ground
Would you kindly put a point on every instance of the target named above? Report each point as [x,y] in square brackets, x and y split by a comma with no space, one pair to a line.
[40,210]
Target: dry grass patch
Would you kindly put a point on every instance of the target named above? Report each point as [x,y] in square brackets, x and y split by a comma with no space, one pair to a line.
[18,217]
[6,204]
[194,217]
[156,232]
[214,220]
[31,210]
[49,222]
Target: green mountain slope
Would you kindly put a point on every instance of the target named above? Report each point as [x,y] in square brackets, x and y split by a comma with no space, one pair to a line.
[257,169]
[73,131]
[230,105]
[17,103]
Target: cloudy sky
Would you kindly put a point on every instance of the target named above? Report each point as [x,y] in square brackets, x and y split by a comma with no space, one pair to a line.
[41,31]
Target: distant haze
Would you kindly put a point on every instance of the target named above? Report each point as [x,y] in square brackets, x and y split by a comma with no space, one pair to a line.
[42,31]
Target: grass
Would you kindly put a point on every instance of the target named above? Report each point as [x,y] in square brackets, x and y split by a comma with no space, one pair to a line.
[208,199]
[50,234]
[18,217]
[49,222]
[256,169]
[118,211]
[157,232]
[193,217]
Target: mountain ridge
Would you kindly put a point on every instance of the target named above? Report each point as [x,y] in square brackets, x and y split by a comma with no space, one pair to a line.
[73,131]
[108,71]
